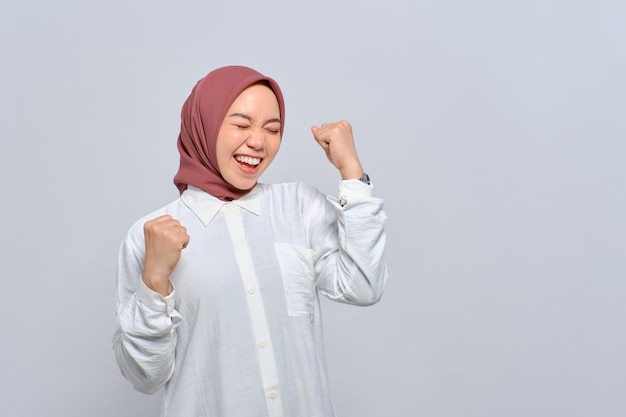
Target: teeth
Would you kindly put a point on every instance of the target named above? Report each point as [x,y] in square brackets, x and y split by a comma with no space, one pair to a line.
[248,160]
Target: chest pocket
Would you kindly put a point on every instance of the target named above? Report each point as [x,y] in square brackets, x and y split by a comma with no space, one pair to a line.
[298,274]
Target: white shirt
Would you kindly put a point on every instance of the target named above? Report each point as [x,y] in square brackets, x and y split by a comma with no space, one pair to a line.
[240,334]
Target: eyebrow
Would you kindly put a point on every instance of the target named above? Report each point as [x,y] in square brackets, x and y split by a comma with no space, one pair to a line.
[245,116]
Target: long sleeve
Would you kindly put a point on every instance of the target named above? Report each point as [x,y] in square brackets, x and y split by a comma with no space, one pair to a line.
[145,337]
[348,236]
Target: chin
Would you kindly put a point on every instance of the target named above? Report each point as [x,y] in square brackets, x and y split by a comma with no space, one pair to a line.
[246,186]
[242,184]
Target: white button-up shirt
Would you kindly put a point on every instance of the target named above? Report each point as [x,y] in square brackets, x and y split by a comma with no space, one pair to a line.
[240,333]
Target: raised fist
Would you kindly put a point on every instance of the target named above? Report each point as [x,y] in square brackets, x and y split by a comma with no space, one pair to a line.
[165,239]
[337,141]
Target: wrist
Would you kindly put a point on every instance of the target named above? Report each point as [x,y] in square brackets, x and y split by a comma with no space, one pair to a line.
[352,172]
[157,282]
[163,289]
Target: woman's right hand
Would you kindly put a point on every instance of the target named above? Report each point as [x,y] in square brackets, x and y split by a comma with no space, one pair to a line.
[165,239]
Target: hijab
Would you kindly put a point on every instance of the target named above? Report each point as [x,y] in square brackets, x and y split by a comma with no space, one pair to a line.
[201,118]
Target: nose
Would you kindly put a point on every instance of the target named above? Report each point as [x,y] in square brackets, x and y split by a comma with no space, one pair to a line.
[256,140]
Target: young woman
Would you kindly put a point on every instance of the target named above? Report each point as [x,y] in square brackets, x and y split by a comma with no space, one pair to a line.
[217,292]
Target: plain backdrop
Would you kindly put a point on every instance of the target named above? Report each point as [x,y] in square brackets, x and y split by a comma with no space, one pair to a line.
[495,131]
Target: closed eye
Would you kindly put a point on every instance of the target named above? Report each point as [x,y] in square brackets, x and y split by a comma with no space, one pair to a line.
[243,121]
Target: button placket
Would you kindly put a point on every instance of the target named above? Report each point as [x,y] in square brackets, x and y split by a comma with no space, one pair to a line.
[258,317]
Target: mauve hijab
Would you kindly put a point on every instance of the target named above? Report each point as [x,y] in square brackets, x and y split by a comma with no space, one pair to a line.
[201,118]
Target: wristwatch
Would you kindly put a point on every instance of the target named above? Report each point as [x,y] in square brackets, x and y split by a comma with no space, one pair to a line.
[365,179]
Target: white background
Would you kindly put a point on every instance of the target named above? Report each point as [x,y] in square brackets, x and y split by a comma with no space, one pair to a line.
[494,130]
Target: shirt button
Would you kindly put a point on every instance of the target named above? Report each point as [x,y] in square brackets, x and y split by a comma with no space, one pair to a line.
[251,290]
[262,343]
[273,394]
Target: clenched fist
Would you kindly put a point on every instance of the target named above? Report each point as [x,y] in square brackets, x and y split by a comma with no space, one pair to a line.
[165,239]
[337,141]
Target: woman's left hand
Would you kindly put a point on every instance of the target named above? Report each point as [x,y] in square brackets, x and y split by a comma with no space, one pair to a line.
[337,141]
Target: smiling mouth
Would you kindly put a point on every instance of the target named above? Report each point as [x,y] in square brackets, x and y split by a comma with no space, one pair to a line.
[248,164]
[248,160]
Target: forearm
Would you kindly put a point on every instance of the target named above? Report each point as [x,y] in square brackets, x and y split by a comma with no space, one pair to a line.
[355,270]
[145,339]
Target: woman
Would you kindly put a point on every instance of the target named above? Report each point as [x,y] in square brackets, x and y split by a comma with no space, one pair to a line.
[217,296]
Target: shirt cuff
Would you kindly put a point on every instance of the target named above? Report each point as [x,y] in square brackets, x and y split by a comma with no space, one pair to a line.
[155,300]
[351,191]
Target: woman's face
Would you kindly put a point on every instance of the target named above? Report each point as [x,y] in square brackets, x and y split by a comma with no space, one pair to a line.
[249,136]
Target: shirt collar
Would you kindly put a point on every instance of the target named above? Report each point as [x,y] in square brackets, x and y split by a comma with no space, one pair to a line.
[206,206]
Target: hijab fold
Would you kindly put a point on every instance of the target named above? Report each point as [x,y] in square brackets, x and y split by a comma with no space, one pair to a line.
[201,118]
